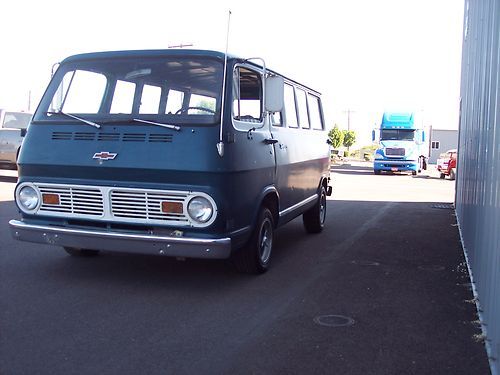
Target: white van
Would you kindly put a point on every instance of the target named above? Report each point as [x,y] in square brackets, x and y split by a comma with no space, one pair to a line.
[13,127]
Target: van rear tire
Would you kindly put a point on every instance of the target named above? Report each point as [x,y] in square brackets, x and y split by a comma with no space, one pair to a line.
[314,218]
[254,257]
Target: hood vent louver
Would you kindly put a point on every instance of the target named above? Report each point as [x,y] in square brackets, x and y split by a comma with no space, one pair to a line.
[134,137]
[112,137]
[108,136]
[62,136]
[84,136]
[161,138]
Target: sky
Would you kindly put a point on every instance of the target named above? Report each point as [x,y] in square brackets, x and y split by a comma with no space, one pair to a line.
[364,56]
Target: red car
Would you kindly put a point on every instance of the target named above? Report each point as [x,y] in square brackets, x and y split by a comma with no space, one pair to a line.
[447,164]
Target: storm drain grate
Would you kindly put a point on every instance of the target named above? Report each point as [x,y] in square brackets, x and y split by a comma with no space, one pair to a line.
[444,206]
[365,263]
[334,320]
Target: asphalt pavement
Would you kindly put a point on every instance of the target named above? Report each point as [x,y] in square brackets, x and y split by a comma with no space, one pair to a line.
[383,290]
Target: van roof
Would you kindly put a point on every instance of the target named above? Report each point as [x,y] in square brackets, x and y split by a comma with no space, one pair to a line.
[170,52]
[136,53]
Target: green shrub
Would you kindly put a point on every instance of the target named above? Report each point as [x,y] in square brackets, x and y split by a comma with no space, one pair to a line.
[336,137]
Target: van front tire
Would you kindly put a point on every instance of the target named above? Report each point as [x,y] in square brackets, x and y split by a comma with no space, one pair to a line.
[314,218]
[254,257]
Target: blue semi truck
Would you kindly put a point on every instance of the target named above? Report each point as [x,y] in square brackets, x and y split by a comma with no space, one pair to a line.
[401,145]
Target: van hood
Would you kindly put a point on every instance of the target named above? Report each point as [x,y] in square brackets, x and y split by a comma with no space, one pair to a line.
[117,154]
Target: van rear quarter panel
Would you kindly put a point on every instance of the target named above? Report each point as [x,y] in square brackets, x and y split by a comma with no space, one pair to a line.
[302,157]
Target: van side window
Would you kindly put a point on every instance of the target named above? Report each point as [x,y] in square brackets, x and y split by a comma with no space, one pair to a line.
[247,95]
[302,104]
[80,91]
[290,110]
[123,97]
[315,112]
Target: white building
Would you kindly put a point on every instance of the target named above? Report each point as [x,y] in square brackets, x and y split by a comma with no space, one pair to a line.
[441,140]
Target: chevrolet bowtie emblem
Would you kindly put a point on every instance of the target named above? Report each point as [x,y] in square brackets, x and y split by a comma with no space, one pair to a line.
[104,155]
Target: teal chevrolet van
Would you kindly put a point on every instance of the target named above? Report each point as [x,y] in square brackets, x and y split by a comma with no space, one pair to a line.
[183,153]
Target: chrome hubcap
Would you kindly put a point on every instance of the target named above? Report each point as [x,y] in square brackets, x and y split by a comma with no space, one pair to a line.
[322,208]
[266,240]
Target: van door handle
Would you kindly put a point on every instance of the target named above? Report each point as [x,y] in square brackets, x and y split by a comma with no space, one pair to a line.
[270,141]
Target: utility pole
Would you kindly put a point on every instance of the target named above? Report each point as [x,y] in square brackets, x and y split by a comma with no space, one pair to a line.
[348,120]
[349,111]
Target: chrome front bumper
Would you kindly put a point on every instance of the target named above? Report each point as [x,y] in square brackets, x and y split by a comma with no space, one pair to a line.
[219,248]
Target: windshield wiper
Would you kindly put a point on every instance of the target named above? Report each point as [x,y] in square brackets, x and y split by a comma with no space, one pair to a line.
[88,122]
[168,126]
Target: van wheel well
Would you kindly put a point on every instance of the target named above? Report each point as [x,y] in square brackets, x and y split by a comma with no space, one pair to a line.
[271,202]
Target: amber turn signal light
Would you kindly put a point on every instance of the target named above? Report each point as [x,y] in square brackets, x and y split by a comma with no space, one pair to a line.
[171,207]
[50,198]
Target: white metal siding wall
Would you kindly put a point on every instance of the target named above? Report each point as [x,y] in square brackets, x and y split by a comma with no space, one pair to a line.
[478,177]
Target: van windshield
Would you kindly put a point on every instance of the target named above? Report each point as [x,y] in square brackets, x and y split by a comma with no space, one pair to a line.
[178,90]
[397,135]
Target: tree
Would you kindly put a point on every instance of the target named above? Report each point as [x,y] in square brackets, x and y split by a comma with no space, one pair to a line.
[336,137]
[349,138]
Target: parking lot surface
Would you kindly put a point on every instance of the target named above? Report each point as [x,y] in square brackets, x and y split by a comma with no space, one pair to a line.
[383,290]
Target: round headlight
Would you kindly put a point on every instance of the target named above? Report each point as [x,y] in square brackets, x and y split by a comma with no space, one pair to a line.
[200,209]
[28,198]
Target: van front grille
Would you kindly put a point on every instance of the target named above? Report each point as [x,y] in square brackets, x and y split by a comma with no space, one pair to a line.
[76,201]
[145,205]
[119,205]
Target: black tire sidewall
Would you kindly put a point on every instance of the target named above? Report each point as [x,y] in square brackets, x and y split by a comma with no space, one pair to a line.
[248,259]
[314,219]
[265,216]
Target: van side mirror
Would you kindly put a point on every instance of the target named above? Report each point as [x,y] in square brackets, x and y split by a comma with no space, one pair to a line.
[423,136]
[275,88]
[373,135]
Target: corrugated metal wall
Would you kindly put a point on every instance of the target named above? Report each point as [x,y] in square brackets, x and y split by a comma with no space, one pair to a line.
[478,177]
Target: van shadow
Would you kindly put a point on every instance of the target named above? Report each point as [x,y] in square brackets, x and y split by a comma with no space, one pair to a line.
[171,273]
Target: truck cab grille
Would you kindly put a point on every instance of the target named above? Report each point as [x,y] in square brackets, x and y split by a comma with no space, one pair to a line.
[395,151]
